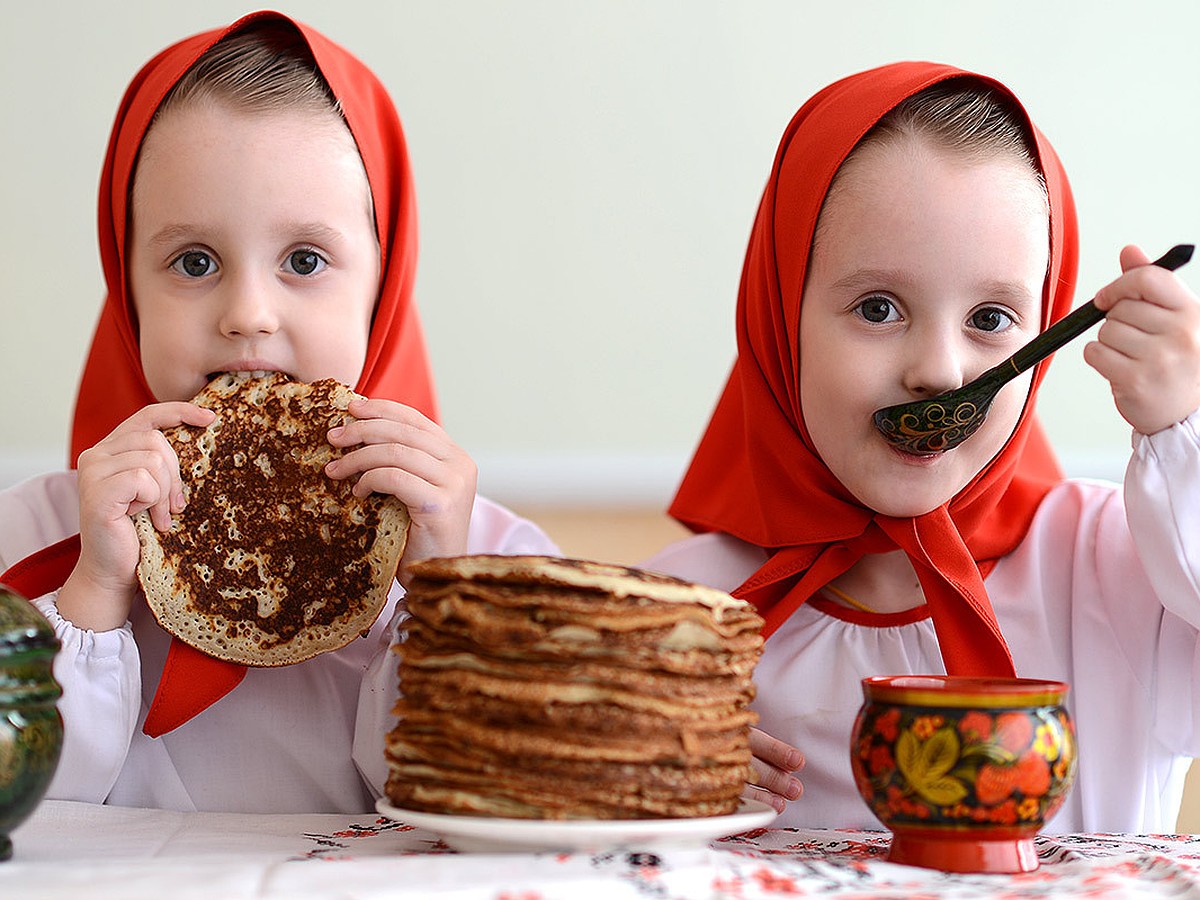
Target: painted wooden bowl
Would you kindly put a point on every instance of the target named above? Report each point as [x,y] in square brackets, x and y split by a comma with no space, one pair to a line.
[963,771]
[30,725]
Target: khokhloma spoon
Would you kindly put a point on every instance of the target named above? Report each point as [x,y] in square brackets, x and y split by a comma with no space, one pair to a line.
[943,422]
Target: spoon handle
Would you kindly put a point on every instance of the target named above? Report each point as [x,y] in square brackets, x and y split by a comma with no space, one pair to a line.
[1080,320]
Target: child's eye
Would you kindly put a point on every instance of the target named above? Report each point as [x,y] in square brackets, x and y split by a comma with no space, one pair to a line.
[194,264]
[991,319]
[878,308]
[306,262]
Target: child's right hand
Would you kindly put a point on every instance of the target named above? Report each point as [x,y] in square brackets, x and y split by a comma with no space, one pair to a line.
[1149,345]
[131,470]
[774,766]
[391,448]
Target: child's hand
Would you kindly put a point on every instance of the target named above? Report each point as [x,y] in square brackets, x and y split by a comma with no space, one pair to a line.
[1149,346]
[774,765]
[399,451]
[131,470]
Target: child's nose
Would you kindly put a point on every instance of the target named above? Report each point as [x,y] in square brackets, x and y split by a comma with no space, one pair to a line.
[248,310]
[934,366]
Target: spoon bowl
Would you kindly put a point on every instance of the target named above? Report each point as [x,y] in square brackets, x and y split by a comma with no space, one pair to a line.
[943,422]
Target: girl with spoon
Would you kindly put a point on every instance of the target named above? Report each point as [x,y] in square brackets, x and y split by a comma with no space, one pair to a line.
[916,230]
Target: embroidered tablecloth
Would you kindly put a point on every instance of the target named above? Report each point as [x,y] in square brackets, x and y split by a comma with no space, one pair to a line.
[81,850]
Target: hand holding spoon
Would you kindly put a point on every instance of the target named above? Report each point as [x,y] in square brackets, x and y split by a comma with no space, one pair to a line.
[943,422]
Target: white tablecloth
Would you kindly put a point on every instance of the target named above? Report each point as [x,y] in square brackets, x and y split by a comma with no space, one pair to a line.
[76,850]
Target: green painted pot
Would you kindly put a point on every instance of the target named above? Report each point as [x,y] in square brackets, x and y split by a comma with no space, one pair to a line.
[31,728]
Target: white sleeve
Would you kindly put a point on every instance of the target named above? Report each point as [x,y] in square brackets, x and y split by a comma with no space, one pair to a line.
[36,513]
[100,675]
[715,559]
[493,529]
[1162,501]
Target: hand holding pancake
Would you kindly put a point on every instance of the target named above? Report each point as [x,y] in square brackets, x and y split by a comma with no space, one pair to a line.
[132,470]
[272,561]
[394,449]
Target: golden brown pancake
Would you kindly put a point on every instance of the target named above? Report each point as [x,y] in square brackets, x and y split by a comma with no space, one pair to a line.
[538,687]
[271,562]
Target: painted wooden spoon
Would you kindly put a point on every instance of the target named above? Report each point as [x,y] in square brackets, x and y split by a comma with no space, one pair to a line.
[943,422]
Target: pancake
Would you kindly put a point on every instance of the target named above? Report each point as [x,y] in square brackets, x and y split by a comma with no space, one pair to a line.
[271,562]
[539,687]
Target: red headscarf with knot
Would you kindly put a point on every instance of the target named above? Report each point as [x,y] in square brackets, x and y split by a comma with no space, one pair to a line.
[113,385]
[755,473]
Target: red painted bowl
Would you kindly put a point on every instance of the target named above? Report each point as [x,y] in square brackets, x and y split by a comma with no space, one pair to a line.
[963,771]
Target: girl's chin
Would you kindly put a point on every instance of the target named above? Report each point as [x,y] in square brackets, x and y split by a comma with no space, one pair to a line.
[907,510]
[905,498]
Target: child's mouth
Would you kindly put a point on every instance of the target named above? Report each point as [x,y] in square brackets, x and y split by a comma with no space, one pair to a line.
[910,456]
[256,369]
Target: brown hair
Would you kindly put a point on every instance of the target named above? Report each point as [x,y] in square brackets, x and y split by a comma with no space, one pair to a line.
[264,67]
[959,115]
[965,118]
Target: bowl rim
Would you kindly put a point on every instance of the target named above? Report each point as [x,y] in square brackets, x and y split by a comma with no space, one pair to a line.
[964,690]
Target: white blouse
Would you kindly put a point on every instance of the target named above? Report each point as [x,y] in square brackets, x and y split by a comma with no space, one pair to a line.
[301,738]
[1103,593]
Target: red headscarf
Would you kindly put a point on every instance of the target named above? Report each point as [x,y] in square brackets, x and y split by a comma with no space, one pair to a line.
[114,386]
[756,475]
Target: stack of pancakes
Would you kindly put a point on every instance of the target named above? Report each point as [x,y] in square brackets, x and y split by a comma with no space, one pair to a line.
[537,687]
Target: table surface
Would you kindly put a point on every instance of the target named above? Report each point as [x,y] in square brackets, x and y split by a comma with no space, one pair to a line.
[82,850]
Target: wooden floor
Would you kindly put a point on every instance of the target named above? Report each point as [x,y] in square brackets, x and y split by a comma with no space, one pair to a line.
[624,536]
[627,536]
[1189,814]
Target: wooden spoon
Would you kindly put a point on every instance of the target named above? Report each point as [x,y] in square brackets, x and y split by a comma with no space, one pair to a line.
[943,422]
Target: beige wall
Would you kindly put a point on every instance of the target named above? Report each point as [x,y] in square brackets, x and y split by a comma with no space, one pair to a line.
[586,175]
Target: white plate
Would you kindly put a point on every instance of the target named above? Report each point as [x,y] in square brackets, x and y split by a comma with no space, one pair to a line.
[481,834]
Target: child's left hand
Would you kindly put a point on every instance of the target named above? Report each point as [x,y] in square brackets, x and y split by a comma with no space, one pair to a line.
[775,765]
[399,451]
[1149,346]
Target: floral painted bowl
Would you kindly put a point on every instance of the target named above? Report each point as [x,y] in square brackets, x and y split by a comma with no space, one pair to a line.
[963,771]
[31,730]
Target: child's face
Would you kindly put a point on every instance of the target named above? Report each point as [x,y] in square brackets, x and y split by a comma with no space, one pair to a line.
[251,246]
[927,269]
